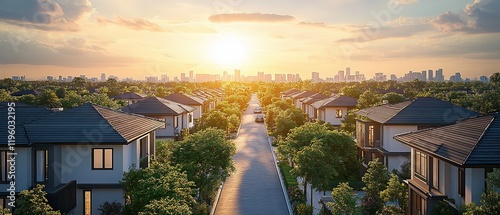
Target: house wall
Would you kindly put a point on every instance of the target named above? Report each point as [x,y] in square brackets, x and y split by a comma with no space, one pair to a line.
[330,115]
[474,184]
[77,164]
[389,131]
[24,172]
[99,196]
[169,129]
[198,112]
[451,182]
[310,111]
[395,162]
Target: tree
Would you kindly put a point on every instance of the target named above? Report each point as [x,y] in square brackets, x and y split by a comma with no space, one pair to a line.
[344,200]
[48,99]
[78,82]
[164,149]
[166,206]
[495,78]
[233,123]
[351,91]
[368,99]
[396,191]
[376,179]
[213,119]
[158,181]
[161,92]
[288,120]
[61,92]
[34,202]
[206,157]
[349,122]
[4,96]
[393,98]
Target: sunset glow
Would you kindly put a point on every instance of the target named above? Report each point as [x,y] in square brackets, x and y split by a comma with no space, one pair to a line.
[229,52]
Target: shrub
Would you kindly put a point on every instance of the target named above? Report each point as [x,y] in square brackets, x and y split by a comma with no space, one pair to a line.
[113,208]
[304,209]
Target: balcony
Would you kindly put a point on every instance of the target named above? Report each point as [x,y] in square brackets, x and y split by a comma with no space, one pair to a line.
[63,197]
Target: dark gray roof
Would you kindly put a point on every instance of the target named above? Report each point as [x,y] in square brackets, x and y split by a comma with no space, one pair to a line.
[129,95]
[302,94]
[471,142]
[421,111]
[23,114]
[290,92]
[336,101]
[26,92]
[89,123]
[184,99]
[157,106]
[314,98]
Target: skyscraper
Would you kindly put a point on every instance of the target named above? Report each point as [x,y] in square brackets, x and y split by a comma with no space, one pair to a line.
[191,76]
[103,77]
[424,76]
[439,75]
[341,75]
[183,76]
[237,75]
[315,77]
[431,75]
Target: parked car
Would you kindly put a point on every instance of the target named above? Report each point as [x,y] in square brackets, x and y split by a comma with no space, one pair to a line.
[257,110]
[259,118]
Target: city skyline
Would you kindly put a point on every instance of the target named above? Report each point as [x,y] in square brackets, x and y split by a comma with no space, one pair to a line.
[136,39]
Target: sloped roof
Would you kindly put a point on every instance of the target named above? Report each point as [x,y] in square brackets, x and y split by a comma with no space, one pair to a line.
[313,98]
[471,142]
[302,94]
[130,95]
[336,101]
[184,99]
[421,111]
[157,106]
[23,114]
[290,92]
[26,92]
[90,123]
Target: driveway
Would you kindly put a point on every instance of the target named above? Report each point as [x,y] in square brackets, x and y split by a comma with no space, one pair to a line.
[255,187]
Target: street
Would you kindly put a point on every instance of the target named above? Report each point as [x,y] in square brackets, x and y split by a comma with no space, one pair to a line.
[255,186]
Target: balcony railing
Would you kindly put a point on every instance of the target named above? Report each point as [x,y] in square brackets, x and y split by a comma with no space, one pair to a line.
[63,198]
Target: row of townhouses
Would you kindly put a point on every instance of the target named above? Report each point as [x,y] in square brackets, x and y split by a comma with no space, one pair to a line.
[80,154]
[450,148]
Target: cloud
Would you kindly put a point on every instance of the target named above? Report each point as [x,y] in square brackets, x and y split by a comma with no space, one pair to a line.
[72,53]
[481,16]
[45,14]
[138,24]
[249,17]
[404,1]
[449,22]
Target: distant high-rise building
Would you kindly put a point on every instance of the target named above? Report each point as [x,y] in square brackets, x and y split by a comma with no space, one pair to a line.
[152,79]
[83,76]
[483,78]
[431,75]
[315,77]
[456,78]
[424,76]
[341,75]
[279,77]
[268,78]
[207,77]
[290,78]
[50,78]
[237,75]
[380,77]
[297,77]
[164,78]
[394,77]
[439,75]
[191,76]
[60,78]
[260,76]
[183,77]
[103,77]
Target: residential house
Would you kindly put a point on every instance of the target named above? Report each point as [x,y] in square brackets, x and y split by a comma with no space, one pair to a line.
[176,116]
[79,154]
[452,162]
[376,127]
[286,94]
[130,97]
[27,92]
[192,101]
[297,96]
[306,102]
[332,110]
[209,100]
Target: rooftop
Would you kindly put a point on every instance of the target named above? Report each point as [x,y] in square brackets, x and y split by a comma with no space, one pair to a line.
[336,101]
[157,106]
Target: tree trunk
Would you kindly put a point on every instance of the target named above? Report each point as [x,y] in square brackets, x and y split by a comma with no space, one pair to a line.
[312,198]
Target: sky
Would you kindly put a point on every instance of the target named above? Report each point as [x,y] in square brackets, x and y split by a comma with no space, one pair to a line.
[131,38]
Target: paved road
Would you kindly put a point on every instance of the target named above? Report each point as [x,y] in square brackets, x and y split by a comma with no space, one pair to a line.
[255,187]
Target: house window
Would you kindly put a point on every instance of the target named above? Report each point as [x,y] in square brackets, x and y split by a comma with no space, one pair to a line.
[87,202]
[421,165]
[371,134]
[461,181]
[435,173]
[102,159]
[5,166]
[176,121]
[419,204]
[338,113]
[143,153]
[41,165]
[190,116]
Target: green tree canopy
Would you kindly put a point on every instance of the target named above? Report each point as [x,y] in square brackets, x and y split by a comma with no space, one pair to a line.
[34,202]
[393,98]
[376,179]
[396,191]
[369,99]
[206,157]
[345,200]
[48,99]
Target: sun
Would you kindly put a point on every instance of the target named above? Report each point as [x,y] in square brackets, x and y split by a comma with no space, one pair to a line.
[229,51]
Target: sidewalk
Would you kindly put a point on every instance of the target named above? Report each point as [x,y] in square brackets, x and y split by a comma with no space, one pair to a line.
[318,195]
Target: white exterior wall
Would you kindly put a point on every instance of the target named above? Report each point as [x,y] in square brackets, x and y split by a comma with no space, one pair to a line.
[474,184]
[24,170]
[388,142]
[321,114]
[310,111]
[298,104]
[99,196]
[77,164]
[451,182]
[169,129]
[330,115]
[198,112]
